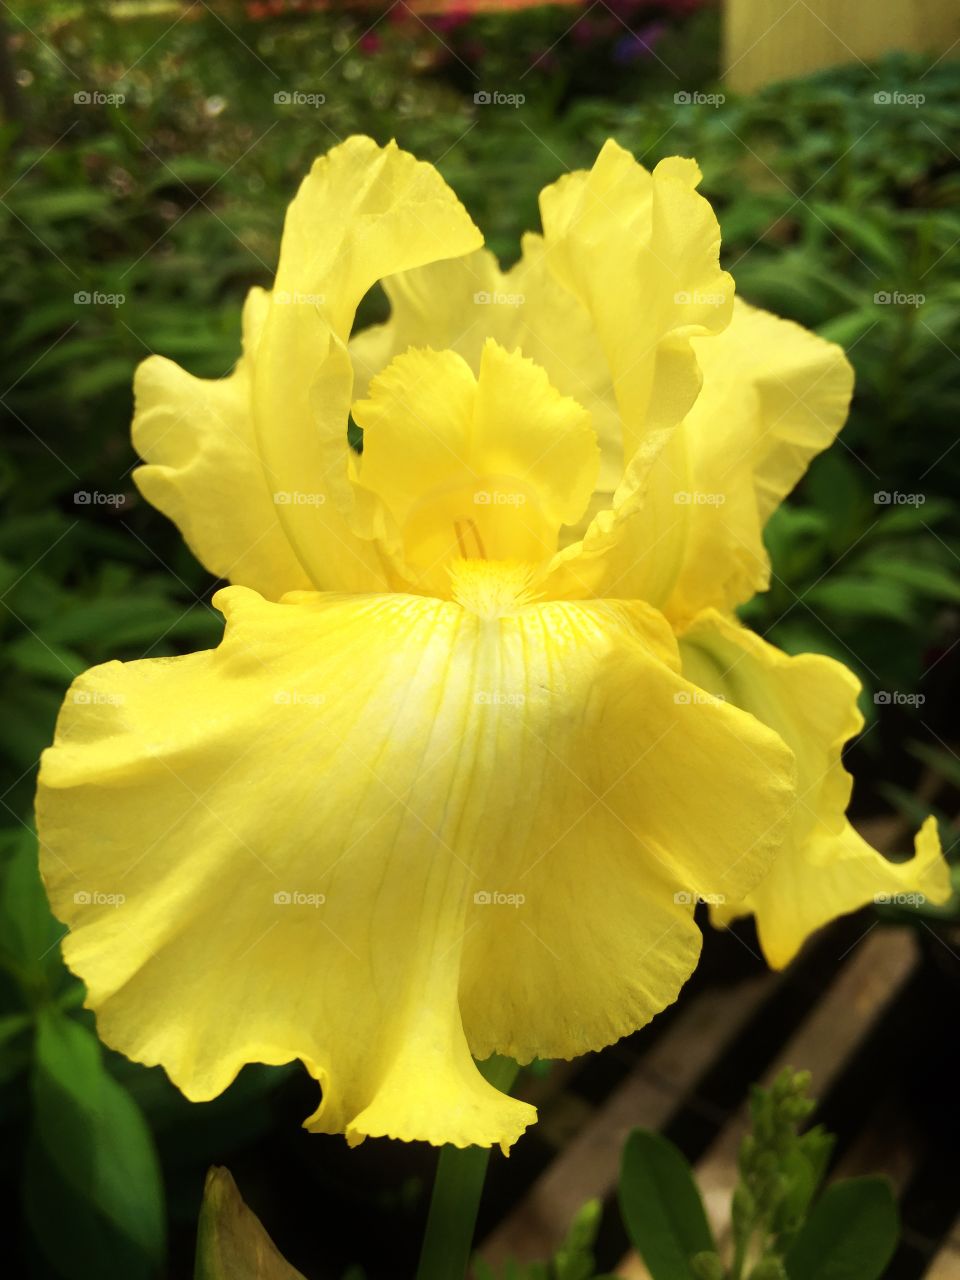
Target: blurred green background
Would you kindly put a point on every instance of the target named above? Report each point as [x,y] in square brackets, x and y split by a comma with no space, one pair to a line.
[149,151]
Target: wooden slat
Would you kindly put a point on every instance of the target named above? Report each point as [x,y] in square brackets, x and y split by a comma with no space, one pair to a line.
[589,1165]
[946,1265]
[822,1045]
[768,40]
[888,1143]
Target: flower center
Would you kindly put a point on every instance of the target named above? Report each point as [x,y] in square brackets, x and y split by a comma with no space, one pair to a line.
[465,467]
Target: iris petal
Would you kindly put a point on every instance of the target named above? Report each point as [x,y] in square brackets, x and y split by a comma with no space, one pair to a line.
[381,833]
[824,868]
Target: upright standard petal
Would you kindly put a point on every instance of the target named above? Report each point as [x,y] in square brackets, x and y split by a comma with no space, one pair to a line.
[204,468]
[774,395]
[825,868]
[641,253]
[362,213]
[382,833]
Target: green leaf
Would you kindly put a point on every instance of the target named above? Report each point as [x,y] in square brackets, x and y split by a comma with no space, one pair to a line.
[231,1241]
[91,1164]
[844,595]
[850,1235]
[924,579]
[661,1206]
[28,932]
[866,237]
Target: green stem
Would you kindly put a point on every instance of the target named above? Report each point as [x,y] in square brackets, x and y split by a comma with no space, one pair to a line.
[740,1254]
[448,1239]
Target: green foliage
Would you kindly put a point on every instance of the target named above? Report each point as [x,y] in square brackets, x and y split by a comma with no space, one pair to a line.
[850,1235]
[781,1231]
[90,1147]
[661,1207]
[572,1261]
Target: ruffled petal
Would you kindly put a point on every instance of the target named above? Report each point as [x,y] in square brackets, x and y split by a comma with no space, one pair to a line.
[774,395]
[824,868]
[842,873]
[297,845]
[363,212]
[640,251]
[205,471]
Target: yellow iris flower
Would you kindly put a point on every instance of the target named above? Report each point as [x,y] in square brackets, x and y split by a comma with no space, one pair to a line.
[458,772]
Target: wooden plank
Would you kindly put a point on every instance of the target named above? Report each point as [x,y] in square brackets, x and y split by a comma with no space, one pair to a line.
[946,1265]
[888,1143]
[589,1165]
[769,40]
[866,986]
